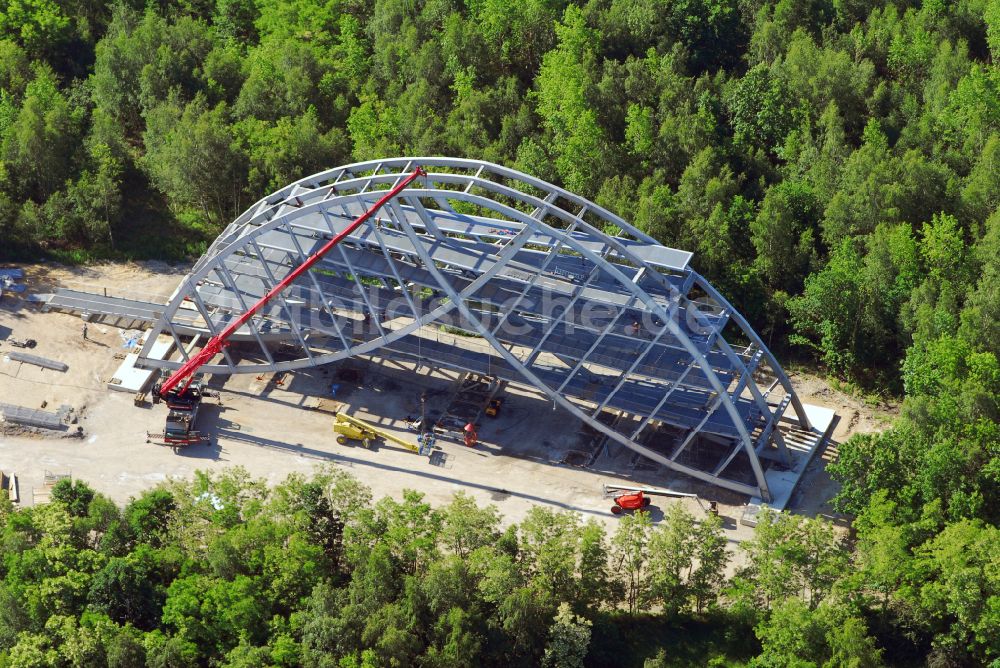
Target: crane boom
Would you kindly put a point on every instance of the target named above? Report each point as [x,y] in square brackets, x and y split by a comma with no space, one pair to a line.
[220,340]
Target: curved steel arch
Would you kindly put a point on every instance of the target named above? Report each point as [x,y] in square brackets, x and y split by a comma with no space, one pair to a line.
[569,299]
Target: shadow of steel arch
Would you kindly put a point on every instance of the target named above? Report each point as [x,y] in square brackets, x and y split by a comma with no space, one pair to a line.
[530,283]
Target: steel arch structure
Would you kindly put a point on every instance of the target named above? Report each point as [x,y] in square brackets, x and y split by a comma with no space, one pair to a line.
[535,284]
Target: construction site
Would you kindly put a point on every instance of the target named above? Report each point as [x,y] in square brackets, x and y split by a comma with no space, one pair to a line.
[428,323]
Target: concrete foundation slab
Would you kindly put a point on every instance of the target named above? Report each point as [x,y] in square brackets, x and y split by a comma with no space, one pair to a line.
[804,447]
[129,378]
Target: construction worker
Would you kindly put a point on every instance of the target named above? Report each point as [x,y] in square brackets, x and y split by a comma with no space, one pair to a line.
[471,437]
[635,328]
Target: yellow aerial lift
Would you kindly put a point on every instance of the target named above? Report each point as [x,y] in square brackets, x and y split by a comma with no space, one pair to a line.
[352,428]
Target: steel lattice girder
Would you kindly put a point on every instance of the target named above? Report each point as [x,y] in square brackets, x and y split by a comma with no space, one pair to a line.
[558,294]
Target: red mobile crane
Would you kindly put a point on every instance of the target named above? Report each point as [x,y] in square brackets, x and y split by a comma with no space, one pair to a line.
[184,400]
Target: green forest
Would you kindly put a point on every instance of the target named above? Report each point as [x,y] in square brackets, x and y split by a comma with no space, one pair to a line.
[834,165]
[225,571]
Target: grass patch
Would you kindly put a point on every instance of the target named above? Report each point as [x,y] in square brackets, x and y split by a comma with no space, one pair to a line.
[448,329]
[872,398]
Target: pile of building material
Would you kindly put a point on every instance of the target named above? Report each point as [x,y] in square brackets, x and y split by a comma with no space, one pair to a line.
[43,362]
[8,483]
[30,417]
[323,405]
[9,280]
[472,394]
[43,494]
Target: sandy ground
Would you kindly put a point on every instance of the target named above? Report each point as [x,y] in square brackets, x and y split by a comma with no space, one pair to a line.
[268,430]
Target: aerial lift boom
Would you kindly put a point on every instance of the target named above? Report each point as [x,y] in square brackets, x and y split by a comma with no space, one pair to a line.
[177,396]
[349,427]
[637,498]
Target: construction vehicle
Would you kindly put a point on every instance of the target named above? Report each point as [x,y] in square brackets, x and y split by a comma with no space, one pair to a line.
[493,408]
[182,414]
[183,393]
[471,435]
[350,428]
[637,498]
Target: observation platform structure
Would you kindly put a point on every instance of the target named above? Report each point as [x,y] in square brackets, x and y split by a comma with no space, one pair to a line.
[479,268]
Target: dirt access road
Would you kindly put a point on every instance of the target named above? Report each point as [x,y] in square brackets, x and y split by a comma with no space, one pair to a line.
[268,429]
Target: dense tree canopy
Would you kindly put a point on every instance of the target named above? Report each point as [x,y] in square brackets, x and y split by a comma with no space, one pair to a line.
[834,166]
[222,570]
[802,150]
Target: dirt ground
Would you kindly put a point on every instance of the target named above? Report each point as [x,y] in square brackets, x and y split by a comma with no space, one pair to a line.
[269,429]
[854,416]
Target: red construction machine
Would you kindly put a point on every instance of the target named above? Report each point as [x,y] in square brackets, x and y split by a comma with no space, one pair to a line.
[183,391]
[637,498]
[471,436]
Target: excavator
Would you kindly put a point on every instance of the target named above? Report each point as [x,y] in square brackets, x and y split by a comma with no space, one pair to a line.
[184,389]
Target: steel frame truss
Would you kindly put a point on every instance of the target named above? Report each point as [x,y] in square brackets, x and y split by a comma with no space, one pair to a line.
[485,248]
